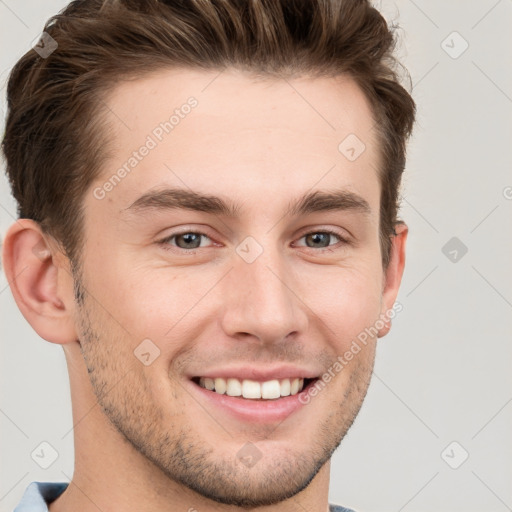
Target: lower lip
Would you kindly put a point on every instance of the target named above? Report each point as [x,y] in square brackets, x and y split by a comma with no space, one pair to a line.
[254,411]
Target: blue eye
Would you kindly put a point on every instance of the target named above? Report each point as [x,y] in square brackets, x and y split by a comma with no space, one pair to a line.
[185,241]
[189,241]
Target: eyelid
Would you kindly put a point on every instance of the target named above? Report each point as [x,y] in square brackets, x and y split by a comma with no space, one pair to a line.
[343,239]
[165,242]
[342,233]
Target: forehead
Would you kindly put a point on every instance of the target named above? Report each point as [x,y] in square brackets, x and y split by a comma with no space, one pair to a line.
[232,132]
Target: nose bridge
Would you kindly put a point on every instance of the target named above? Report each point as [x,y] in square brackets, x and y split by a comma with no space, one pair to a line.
[260,298]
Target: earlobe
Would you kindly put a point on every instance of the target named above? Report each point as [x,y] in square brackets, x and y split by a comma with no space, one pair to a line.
[393,275]
[40,283]
[385,329]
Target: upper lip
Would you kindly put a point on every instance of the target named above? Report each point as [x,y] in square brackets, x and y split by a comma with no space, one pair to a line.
[259,373]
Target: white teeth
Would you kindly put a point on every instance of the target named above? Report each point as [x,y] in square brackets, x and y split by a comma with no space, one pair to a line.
[234,387]
[269,390]
[220,386]
[251,389]
[285,387]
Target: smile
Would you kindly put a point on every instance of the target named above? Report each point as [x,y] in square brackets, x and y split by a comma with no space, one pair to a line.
[252,389]
[253,394]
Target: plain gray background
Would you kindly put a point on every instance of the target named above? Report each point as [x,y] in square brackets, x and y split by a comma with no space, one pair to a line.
[442,388]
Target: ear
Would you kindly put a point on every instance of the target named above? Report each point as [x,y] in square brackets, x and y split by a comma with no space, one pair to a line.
[393,275]
[40,281]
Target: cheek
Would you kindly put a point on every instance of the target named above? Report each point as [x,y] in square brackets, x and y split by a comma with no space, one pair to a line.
[155,311]
[135,296]
[162,303]
[348,305]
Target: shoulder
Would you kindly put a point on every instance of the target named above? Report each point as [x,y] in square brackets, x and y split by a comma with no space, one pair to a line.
[38,495]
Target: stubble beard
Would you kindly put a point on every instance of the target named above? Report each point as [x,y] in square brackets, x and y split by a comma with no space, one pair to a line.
[182,456]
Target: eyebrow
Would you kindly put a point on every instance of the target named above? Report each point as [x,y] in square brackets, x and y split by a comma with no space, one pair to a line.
[177,198]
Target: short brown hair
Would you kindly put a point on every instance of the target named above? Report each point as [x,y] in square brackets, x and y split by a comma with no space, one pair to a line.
[53,141]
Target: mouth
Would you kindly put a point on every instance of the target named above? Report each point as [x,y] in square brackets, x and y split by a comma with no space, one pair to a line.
[253,390]
[250,394]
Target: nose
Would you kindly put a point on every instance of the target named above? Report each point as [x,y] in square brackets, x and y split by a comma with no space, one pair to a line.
[260,300]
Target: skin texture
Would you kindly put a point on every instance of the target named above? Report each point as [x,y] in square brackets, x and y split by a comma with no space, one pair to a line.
[143,429]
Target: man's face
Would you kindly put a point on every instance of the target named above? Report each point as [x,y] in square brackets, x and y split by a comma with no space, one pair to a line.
[261,294]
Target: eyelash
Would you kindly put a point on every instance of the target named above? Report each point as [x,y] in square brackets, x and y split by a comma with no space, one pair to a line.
[168,247]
